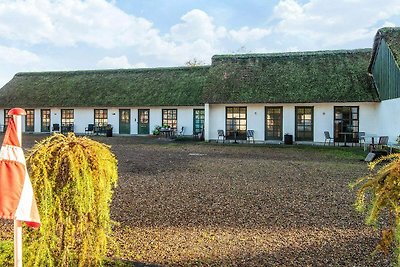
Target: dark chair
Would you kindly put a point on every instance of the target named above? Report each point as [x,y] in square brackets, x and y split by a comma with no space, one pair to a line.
[222,135]
[361,138]
[328,138]
[383,141]
[250,135]
[182,131]
[56,128]
[89,129]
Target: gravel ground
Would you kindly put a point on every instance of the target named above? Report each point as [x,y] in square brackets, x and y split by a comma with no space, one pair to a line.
[188,204]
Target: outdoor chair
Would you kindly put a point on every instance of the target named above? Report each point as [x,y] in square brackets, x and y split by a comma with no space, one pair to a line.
[328,138]
[182,131]
[361,139]
[56,128]
[250,135]
[383,141]
[222,135]
[89,129]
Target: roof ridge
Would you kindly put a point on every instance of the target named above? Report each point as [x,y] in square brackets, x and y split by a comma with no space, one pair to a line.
[299,53]
[110,71]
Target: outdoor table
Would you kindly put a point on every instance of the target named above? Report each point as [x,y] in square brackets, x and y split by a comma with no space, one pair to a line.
[345,134]
[166,132]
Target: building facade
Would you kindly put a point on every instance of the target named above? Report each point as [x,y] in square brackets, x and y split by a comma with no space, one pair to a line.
[300,93]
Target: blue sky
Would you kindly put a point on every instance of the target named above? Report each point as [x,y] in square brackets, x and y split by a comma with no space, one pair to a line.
[45,35]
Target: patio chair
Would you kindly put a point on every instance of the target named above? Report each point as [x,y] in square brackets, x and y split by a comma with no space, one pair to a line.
[328,138]
[361,139]
[56,128]
[383,141]
[250,135]
[222,135]
[182,131]
[89,129]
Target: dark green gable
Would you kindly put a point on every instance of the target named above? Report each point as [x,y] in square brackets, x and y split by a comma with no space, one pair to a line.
[385,62]
[300,77]
[106,88]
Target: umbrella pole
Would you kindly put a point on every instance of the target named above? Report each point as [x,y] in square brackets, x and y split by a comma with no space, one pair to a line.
[18,224]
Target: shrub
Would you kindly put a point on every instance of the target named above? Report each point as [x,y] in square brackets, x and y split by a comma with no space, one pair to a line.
[73,178]
[6,253]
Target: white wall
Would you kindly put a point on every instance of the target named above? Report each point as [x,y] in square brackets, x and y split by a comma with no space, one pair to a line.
[85,116]
[388,119]
[323,118]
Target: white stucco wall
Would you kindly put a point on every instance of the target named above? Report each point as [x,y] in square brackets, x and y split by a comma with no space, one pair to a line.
[85,116]
[388,119]
[323,118]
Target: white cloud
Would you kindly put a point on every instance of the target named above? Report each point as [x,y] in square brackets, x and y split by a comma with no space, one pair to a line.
[332,23]
[17,57]
[118,63]
[246,34]
[196,24]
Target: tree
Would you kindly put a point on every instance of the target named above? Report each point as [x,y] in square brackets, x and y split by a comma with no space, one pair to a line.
[383,190]
[194,62]
[73,178]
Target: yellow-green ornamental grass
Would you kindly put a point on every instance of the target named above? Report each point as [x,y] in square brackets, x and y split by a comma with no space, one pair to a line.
[73,178]
[383,190]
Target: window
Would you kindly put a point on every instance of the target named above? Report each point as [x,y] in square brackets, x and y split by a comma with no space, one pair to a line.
[236,122]
[100,117]
[273,123]
[30,120]
[67,117]
[346,120]
[45,120]
[304,124]
[6,118]
[169,118]
[198,121]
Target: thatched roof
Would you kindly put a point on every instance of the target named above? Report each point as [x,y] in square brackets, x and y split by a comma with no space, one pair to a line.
[298,77]
[392,37]
[106,88]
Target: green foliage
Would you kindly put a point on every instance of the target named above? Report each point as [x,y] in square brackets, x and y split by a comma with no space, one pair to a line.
[73,178]
[383,188]
[6,253]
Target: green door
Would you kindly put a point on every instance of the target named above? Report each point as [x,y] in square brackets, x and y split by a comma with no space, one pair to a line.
[124,121]
[143,123]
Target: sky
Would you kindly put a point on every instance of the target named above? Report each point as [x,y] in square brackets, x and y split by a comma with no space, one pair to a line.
[53,35]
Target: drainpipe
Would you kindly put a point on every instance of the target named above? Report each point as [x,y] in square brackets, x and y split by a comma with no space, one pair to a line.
[207,122]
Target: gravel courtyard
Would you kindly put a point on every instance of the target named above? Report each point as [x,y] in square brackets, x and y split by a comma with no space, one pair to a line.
[197,204]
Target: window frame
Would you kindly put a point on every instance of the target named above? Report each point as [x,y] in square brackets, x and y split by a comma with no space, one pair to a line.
[167,120]
[45,123]
[355,128]
[280,129]
[237,119]
[100,117]
[29,120]
[198,120]
[300,135]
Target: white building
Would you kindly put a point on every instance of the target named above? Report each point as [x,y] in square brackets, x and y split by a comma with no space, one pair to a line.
[302,94]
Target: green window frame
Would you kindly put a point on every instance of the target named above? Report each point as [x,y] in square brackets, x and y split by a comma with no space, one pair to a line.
[45,120]
[198,120]
[100,117]
[170,118]
[30,120]
[236,123]
[273,123]
[304,123]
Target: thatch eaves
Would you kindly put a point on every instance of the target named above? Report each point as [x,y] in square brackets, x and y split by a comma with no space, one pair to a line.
[392,37]
[181,86]
[297,77]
